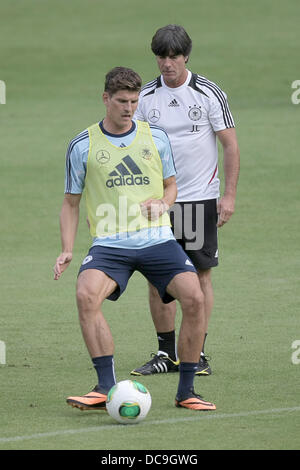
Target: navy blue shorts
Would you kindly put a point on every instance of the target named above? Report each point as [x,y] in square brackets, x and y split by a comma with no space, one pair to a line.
[158,263]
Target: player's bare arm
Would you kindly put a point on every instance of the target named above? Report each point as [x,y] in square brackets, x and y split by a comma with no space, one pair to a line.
[154,208]
[231,153]
[69,217]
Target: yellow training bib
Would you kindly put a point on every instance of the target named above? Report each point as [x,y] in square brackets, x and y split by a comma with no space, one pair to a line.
[118,179]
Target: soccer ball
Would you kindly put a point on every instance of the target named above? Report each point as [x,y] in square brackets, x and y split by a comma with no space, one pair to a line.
[128,402]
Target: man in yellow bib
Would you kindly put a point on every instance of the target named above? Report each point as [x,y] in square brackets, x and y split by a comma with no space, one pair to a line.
[127,172]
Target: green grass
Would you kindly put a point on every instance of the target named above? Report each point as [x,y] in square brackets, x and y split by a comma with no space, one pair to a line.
[54,59]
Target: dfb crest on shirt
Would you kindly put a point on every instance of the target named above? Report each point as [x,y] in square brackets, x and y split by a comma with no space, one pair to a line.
[195,113]
[146,153]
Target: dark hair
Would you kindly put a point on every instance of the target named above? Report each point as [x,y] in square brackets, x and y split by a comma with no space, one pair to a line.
[122,78]
[171,39]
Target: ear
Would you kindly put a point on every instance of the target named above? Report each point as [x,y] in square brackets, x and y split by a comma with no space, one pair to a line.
[105,97]
[186,59]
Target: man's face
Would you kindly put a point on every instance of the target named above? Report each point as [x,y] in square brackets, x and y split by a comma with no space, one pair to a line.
[173,69]
[120,108]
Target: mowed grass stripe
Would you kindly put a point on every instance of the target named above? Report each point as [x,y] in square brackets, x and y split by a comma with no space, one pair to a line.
[116,426]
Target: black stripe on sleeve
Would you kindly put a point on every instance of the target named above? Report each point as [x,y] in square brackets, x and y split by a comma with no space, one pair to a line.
[83,135]
[154,85]
[228,120]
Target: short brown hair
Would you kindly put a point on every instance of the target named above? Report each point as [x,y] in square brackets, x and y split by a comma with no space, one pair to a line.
[173,39]
[122,78]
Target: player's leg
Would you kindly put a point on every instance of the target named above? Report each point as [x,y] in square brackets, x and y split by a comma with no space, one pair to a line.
[207,289]
[205,280]
[93,287]
[204,259]
[101,276]
[163,316]
[170,270]
[201,246]
[185,288]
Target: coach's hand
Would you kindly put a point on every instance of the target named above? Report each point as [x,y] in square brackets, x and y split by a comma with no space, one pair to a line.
[62,262]
[225,209]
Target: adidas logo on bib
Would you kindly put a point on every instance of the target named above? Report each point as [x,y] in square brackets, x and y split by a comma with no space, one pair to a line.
[127,173]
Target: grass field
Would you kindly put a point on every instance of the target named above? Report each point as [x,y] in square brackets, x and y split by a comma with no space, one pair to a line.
[53,58]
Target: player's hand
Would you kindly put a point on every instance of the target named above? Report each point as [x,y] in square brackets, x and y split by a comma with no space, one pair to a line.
[225,209]
[62,262]
[152,209]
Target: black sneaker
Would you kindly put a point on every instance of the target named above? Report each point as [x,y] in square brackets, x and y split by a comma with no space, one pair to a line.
[159,364]
[203,368]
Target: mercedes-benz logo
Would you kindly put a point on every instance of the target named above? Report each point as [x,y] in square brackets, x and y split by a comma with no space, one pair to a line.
[154,115]
[102,157]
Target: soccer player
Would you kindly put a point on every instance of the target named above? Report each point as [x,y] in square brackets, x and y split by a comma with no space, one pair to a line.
[194,112]
[126,168]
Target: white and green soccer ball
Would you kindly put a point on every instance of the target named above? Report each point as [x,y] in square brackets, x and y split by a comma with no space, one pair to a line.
[128,402]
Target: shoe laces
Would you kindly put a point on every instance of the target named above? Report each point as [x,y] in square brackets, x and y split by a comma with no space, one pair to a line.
[205,358]
[197,395]
[191,394]
[157,358]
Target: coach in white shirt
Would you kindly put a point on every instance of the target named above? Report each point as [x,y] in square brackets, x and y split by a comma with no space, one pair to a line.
[194,112]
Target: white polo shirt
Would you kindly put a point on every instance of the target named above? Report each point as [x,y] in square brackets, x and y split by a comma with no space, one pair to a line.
[190,114]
